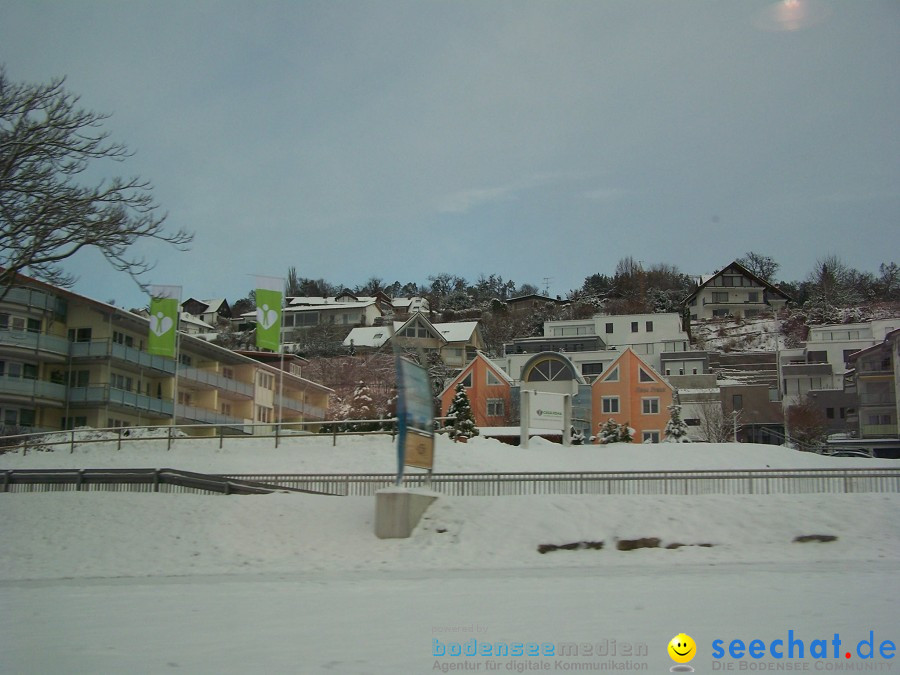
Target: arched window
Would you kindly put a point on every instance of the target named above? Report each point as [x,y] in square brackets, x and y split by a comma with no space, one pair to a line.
[550,369]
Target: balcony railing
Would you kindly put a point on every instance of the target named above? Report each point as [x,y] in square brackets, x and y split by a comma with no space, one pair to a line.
[32,388]
[216,380]
[206,416]
[298,406]
[104,394]
[37,342]
[107,349]
[30,297]
[874,368]
[888,399]
[878,430]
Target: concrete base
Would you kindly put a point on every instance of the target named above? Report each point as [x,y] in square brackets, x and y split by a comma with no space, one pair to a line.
[398,511]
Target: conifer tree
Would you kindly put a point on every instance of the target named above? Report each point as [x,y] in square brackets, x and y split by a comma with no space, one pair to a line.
[676,428]
[609,432]
[361,408]
[463,426]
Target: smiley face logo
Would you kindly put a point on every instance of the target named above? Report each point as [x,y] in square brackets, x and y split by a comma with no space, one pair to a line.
[682,648]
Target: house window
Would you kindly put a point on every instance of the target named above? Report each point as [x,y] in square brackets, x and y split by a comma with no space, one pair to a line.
[650,406]
[122,382]
[613,375]
[79,378]
[634,326]
[829,413]
[492,379]
[737,402]
[720,296]
[467,380]
[609,328]
[817,357]
[79,335]
[228,373]
[185,359]
[610,404]
[226,409]
[591,368]
[184,397]
[644,376]
[263,414]
[122,339]
[19,323]
[649,326]
[16,370]
[650,437]
[753,296]
[495,407]
[74,422]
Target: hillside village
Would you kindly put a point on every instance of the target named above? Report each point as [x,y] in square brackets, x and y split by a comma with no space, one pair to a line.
[736,357]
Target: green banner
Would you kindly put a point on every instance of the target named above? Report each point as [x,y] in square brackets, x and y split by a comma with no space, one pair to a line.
[163,326]
[268,319]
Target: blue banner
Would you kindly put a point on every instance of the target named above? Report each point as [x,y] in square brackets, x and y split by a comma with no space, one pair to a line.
[415,416]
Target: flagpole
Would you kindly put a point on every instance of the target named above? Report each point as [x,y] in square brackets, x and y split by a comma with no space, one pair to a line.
[177,359]
[281,371]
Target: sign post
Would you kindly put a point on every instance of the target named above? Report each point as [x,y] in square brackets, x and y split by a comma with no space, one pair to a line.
[545,410]
[415,418]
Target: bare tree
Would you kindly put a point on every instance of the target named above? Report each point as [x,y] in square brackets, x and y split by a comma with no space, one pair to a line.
[715,425]
[761,265]
[47,214]
[808,425]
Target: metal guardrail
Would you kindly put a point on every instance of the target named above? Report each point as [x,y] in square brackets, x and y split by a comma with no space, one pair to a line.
[132,480]
[732,482]
[172,434]
[736,482]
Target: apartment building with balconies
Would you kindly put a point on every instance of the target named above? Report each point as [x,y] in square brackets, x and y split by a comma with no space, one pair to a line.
[68,361]
[875,376]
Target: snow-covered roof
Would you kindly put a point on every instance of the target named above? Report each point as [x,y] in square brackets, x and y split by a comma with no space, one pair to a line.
[214,305]
[318,301]
[460,331]
[492,432]
[368,336]
[194,321]
[337,306]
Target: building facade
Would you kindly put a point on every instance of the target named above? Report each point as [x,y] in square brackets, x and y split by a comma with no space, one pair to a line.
[734,292]
[68,361]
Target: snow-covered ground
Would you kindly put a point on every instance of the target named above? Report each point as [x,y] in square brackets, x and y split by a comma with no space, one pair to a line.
[117,582]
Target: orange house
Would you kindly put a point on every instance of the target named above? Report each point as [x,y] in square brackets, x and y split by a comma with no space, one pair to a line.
[631,392]
[488,389]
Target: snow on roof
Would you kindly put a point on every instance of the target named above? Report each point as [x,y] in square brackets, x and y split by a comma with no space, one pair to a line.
[194,321]
[459,331]
[368,336]
[318,301]
[214,305]
[327,306]
[492,432]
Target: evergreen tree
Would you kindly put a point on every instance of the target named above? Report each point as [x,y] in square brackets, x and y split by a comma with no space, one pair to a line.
[463,426]
[676,428]
[576,436]
[609,432]
[361,408]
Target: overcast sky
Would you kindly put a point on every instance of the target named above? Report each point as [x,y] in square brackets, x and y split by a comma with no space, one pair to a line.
[529,139]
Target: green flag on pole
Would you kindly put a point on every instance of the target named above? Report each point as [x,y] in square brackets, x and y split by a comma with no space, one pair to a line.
[269,293]
[163,320]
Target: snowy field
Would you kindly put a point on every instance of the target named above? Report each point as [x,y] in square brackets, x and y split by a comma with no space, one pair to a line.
[147,583]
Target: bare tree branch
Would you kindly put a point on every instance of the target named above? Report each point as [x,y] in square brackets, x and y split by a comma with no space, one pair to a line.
[46,214]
